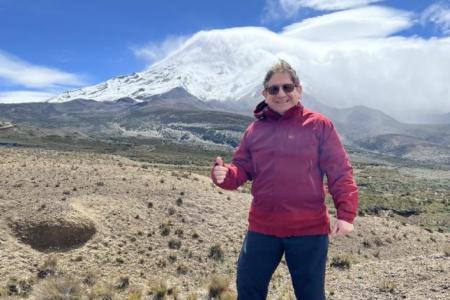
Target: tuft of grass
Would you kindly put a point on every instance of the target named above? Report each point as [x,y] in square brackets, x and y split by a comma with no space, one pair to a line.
[18,287]
[192,296]
[48,267]
[102,291]
[58,288]
[218,285]
[157,288]
[387,287]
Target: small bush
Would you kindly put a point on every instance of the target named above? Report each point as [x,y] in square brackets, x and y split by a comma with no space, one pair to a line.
[122,283]
[182,270]
[179,232]
[172,258]
[341,262]
[164,229]
[378,242]
[174,244]
[171,211]
[366,244]
[216,252]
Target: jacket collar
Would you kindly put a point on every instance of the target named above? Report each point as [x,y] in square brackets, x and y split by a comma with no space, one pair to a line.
[263,111]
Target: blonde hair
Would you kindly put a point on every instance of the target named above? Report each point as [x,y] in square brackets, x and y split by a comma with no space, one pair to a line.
[281,67]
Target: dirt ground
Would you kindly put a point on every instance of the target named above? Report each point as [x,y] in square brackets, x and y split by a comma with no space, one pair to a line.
[107,217]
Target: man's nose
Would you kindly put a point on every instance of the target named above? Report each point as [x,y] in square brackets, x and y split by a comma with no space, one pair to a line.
[281,92]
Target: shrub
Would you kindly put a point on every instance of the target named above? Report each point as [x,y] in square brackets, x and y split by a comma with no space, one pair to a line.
[179,232]
[164,229]
[182,269]
[216,252]
[122,283]
[341,262]
[174,244]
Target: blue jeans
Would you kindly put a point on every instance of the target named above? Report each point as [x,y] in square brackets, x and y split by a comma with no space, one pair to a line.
[260,255]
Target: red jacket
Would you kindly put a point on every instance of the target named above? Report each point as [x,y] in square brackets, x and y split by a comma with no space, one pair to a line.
[286,157]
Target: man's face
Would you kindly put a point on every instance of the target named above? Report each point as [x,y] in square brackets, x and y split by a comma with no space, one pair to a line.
[284,99]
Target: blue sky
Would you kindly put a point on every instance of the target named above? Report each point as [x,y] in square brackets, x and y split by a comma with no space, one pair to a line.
[48,46]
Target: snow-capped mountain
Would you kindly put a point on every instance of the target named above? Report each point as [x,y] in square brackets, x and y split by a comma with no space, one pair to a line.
[212,65]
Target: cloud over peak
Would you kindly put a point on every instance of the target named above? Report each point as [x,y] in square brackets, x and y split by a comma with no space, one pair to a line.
[288,9]
[364,22]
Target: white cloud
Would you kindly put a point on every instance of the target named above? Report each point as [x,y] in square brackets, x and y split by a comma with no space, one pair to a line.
[438,14]
[325,4]
[156,51]
[287,9]
[16,71]
[24,96]
[365,22]
[370,67]
[392,74]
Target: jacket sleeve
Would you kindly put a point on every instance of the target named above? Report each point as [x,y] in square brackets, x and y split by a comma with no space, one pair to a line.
[240,169]
[334,162]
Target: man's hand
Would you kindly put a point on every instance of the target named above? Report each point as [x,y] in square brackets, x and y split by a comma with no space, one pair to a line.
[220,171]
[341,228]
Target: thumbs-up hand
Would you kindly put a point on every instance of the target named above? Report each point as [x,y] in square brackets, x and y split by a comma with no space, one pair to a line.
[220,170]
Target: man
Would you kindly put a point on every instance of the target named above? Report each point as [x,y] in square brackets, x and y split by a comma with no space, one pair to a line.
[286,152]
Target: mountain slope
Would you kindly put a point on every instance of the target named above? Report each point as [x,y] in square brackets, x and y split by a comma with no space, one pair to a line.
[214,65]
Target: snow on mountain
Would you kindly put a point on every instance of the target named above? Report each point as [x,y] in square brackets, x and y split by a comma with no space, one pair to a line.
[211,65]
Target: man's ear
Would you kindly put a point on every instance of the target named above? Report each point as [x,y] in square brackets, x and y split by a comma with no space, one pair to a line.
[264,93]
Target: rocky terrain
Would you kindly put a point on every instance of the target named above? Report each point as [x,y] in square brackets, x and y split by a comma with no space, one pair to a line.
[106,227]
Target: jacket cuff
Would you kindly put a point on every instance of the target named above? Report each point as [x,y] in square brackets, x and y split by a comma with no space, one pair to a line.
[346,216]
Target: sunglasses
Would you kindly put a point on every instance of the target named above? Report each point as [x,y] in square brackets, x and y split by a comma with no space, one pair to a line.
[275,89]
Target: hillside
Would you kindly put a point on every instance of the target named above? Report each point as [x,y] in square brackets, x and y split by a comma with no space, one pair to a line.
[179,117]
[131,222]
